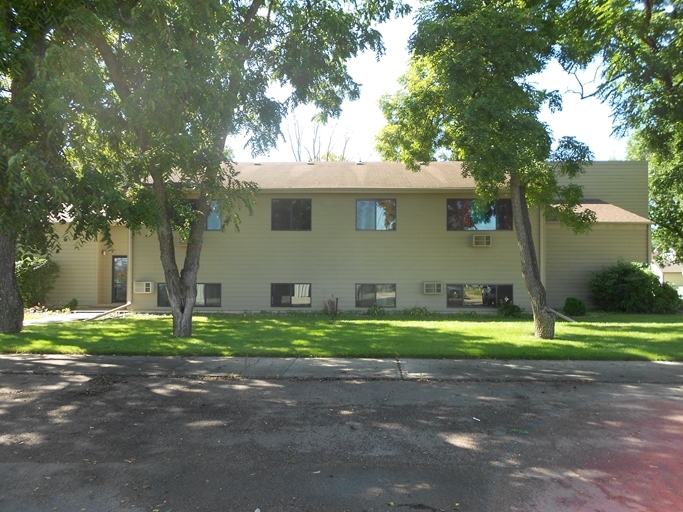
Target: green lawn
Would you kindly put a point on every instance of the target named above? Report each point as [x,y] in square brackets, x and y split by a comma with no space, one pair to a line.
[617,337]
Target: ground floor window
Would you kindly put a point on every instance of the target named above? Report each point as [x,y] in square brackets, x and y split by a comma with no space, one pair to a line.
[208,295]
[290,295]
[478,295]
[383,295]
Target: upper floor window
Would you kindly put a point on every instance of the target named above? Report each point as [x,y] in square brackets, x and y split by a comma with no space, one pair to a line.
[290,215]
[376,214]
[214,222]
[466,214]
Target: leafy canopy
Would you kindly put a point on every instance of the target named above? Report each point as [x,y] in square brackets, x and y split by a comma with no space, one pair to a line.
[468,90]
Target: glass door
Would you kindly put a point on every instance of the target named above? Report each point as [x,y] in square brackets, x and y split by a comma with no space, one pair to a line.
[119,278]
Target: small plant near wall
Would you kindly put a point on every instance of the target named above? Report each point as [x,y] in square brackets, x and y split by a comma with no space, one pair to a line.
[330,307]
[418,311]
[574,307]
[376,310]
[509,310]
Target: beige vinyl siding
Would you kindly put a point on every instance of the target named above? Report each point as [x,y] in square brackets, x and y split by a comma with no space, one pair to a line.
[78,267]
[572,259]
[333,257]
[675,278]
[623,184]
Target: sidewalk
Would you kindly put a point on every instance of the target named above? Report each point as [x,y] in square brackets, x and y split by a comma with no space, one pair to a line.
[475,370]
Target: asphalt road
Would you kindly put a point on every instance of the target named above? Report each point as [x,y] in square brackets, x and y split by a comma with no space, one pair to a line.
[112,442]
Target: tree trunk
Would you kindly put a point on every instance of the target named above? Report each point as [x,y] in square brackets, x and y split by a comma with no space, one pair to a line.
[181,286]
[11,305]
[544,319]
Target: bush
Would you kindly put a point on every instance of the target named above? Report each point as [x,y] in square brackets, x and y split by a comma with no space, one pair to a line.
[416,311]
[72,304]
[376,310]
[574,307]
[509,310]
[35,277]
[632,288]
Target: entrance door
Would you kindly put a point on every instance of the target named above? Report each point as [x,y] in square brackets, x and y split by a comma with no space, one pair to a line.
[119,278]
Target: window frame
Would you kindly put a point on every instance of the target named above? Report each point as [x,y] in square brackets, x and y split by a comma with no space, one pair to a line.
[291,296]
[376,201]
[167,304]
[500,205]
[308,226]
[361,303]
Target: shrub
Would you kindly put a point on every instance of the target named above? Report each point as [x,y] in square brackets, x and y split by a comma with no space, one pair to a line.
[632,288]
[574,307]
[509,310]
[72,304]
[376,310]
[35,278]
[330,307]
[416,311]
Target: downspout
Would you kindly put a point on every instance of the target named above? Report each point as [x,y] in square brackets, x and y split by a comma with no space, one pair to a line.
[109,311]
[541,246]
[129,277]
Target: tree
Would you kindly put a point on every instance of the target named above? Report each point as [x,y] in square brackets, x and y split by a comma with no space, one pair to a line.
[467,91]
[36,181]
[168,81]
[637,43]
[295,133]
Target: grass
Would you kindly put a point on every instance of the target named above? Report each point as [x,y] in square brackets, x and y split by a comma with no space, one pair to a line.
[608,337]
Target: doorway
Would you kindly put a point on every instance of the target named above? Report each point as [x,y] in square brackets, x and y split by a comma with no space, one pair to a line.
[119,278]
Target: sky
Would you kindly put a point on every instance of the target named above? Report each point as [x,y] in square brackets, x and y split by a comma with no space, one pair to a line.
[588,120]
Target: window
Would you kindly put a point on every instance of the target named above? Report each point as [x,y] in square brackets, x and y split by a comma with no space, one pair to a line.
[290,215]
[376,214]
[208,295]
[290,295]
[477,295]
[214,222]
[464,214]
[381,294]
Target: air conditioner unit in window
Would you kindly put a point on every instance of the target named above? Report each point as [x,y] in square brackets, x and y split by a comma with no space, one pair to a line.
[142,287]
[432,288]
[481,240]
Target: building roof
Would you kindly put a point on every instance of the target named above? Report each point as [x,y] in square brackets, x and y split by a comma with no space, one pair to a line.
[673,269]
[606,212]
[339,176]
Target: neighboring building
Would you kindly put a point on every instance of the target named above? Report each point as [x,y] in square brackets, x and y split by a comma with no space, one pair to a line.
[670,274]
[371,232]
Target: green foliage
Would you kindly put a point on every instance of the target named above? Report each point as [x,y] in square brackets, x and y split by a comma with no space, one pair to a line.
[637,44]
[72,304]
[632,288]
[157,87]
[36,277]
[469,93]
[416,311]
[376,310]
[468,90]
[574,307]
[510,310]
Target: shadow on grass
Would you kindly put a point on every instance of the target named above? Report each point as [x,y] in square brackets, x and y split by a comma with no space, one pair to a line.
[620,337]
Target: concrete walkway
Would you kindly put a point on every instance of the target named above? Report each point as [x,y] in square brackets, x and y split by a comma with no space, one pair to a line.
[348,369]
